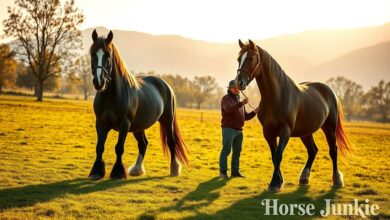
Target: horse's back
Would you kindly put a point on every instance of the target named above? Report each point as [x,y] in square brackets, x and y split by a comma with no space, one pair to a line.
[155,98]
[316,102]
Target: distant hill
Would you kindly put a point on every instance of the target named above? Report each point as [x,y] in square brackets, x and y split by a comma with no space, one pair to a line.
[296,53]
[171,54]
[366,66]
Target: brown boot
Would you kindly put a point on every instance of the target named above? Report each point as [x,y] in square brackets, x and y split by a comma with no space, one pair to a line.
[223,174]
[238,174]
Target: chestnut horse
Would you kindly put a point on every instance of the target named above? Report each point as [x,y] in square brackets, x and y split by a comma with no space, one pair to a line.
[128,104]
[289,110]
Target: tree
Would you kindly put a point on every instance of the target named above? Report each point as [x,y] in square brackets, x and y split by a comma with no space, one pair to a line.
[350,94]
[379,99]
[214,102]
[181,87]
[7,66]
[46,35]
[202,88]
[26,79]
[85,75]
[69,84]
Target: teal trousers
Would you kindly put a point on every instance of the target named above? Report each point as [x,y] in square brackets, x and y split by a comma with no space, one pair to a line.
[231,139]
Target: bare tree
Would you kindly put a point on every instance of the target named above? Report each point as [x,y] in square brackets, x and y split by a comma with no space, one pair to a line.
[46,34]
[7,66]
[85,75]
[202,88]
[379,99]
[350,94]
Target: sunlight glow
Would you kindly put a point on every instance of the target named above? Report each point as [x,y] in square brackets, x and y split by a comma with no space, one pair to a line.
[226,21]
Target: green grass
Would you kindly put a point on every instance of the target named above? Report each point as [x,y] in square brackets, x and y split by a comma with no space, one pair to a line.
[47,150]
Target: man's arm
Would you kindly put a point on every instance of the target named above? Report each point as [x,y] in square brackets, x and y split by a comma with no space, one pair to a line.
[249,116]
[228,106]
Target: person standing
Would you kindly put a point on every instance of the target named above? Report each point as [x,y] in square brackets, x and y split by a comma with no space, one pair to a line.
[233,119]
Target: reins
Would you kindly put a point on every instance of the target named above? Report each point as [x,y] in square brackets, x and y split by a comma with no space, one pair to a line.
[247,98]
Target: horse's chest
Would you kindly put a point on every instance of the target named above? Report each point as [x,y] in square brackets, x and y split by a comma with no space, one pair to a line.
[109,117]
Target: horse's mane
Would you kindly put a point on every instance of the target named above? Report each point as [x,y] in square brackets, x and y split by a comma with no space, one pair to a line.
[121,66]
[133,82]
[275,68]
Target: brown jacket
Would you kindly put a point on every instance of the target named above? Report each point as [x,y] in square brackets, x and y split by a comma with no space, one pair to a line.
[233,112]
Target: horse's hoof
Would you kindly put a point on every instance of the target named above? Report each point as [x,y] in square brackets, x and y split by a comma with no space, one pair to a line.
[118,172]
[136,171]
[175,168]
[95,177]
[118,176]
[304,182]
[338,180]
[305,176]
[273,189]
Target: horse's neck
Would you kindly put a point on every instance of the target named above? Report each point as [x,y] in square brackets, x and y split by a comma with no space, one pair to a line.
[119,86]
[272,81]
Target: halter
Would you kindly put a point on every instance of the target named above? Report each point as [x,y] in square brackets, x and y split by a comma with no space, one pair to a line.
[250,74]
[106,73]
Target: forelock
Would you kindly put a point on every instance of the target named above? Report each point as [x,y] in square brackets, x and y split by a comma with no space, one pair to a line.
[246,48]
[99,43]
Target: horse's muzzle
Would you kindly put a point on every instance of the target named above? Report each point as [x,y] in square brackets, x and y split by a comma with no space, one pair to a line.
[241,85]
[99,87]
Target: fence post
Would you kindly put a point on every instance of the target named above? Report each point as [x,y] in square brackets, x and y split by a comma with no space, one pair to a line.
[201,116]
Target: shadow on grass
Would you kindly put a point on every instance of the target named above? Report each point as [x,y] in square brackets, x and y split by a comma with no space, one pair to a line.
[202,196]
[251,208]
[32,194]
[248,208]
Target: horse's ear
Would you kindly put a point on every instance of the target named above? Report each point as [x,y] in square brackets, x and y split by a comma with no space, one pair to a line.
[240,43]
[94,35]
[253,45]
[109,37]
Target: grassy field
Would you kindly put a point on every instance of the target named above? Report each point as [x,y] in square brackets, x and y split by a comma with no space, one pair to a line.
[47,150]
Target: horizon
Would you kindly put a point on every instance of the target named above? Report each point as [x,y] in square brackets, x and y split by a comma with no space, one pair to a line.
[236,40]
[182,19]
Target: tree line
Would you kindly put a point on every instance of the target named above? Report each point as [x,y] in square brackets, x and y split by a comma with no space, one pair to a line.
[199,92]
[47,39]
[359,105]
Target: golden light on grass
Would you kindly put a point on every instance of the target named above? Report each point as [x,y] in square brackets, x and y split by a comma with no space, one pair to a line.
[47,150]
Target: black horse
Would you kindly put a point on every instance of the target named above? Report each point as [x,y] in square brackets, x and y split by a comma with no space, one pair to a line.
[128,104]
[289,110]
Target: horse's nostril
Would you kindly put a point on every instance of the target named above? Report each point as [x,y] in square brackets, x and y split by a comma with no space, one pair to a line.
[240,82]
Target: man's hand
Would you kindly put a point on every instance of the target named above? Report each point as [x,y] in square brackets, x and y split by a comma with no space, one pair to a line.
[256,110]
[245,101]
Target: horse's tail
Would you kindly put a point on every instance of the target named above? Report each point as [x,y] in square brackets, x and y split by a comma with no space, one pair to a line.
[341,138]
[180,146]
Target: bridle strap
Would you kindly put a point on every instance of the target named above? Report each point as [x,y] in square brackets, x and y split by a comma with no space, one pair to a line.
[251,74]
[247,97]
[106,73]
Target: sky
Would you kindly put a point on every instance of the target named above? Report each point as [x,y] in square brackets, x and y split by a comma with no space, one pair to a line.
[225,21]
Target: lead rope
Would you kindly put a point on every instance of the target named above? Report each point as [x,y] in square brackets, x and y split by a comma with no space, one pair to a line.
[248,99]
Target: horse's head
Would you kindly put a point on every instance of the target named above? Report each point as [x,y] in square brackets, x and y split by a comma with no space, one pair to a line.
[101,60]
[248,64]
